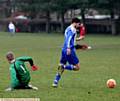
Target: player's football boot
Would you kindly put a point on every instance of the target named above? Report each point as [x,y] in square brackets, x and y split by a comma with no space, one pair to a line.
[89,47]
[54,85]
[32,87]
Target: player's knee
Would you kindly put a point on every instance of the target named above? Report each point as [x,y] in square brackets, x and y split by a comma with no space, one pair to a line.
[77,67]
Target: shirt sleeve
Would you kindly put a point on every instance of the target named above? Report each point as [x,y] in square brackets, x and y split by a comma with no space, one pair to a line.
[69,37]
[13,77]
[26,59]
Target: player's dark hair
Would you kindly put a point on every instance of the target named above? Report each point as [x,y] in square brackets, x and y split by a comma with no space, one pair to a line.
[75,20]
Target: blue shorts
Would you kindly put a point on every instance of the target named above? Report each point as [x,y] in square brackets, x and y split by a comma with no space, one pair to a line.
[11,30]
[71,59]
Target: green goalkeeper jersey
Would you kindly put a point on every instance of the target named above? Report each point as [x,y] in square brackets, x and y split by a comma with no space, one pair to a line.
[18,71]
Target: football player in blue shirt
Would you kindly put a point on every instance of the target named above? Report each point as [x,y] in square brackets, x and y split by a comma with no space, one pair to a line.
[68,51]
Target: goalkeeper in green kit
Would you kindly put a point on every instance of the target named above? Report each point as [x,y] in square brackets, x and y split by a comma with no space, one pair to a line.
[19,75]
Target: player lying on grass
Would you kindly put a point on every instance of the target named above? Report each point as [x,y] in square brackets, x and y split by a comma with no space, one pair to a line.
[82,32]
[68,52]
[19,75]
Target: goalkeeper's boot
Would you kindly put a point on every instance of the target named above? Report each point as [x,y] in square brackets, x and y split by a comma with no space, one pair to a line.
[32,87]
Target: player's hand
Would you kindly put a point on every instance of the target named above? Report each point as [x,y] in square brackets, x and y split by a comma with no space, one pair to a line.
[34,68]
[78,39]
[68,51]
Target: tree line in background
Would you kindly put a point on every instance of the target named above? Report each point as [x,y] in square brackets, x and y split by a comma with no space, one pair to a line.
[46,7]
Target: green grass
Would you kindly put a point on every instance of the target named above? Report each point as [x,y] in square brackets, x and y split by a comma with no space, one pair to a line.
[88,84]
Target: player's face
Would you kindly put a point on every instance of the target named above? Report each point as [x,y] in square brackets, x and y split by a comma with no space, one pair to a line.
[77,25]
[10,57]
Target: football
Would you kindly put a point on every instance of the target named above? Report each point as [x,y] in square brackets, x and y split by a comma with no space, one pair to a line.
[111,83]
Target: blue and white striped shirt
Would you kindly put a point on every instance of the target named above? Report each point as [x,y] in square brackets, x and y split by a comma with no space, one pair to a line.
[70,37]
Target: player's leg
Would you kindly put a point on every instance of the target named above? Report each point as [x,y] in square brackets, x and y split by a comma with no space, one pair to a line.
[25,85]
[58,75]
[29,86]
[15,85]
[78,46]
[73,62]
[76,67]
[83,47]
[60,70]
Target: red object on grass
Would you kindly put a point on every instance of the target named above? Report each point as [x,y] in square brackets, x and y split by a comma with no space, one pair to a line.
[34,68]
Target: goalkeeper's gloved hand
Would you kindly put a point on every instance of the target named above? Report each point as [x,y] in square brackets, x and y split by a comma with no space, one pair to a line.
[34,68]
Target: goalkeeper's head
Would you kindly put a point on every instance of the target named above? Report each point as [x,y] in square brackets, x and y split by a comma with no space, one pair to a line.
[10,57]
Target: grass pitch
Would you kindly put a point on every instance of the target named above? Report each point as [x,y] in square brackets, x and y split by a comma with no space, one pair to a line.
[98,65]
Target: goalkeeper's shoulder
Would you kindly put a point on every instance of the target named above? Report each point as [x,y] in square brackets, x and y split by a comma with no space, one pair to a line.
[24,58]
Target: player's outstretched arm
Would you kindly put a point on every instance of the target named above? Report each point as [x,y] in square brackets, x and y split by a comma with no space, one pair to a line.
[30,60]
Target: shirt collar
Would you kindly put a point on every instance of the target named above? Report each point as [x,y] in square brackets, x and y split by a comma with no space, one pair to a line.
[73,28]
[12,61]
